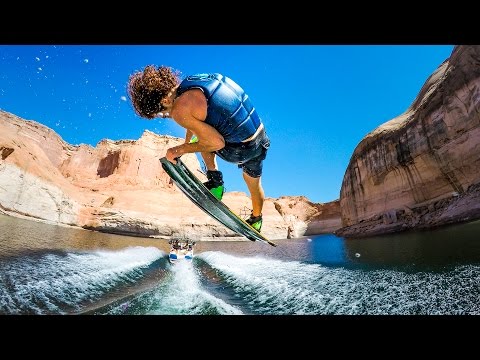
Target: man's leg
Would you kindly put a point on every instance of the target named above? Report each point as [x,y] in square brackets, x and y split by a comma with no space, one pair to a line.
[256,193]
[210,160]
[215,177]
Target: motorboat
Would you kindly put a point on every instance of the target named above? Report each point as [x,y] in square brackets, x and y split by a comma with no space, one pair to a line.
[180,249]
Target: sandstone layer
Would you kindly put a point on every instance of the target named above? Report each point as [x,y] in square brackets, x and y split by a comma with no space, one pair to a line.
[120,187]
[421,169]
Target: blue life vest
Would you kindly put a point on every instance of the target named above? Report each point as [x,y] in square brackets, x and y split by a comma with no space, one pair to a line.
[229,109]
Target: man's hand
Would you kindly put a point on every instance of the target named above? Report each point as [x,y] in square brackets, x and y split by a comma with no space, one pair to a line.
[172,154]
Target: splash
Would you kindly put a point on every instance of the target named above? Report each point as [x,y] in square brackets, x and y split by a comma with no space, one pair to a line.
[270,286]
[180,294]
[55,283]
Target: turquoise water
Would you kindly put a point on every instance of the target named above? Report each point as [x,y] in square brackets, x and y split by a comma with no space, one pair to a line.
[46,269]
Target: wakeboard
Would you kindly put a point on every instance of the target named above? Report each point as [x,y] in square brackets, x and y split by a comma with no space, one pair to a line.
[198,193]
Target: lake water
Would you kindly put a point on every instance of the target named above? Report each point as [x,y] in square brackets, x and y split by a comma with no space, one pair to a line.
[46,269]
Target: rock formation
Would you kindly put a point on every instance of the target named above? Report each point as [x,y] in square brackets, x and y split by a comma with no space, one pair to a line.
[120,187]
[421,169]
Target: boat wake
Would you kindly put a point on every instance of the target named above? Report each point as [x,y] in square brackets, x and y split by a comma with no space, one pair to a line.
[269,286]
[59,282]
[216,283]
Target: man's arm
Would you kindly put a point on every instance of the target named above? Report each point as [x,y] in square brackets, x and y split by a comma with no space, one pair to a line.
[188,136]
[190,112]
[210,140]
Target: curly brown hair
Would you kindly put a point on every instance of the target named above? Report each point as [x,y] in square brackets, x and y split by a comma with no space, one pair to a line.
[147,88]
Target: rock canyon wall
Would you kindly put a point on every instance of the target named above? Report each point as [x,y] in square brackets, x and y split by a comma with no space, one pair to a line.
[418,170]
[120,187]
[421,169]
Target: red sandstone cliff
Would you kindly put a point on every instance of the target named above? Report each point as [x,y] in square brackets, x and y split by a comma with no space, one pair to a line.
[421,169]
[120,187]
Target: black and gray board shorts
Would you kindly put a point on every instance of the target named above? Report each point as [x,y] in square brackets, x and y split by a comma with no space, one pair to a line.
[249,155]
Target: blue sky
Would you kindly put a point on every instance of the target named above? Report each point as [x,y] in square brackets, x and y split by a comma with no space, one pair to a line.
[317,101]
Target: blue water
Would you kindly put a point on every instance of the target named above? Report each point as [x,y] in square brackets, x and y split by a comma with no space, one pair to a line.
[46,269]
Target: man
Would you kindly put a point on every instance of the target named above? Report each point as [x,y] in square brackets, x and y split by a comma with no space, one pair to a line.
[219,119]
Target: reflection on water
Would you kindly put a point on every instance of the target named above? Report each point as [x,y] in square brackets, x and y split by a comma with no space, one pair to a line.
[448,246]
[46,269]
[20,235]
